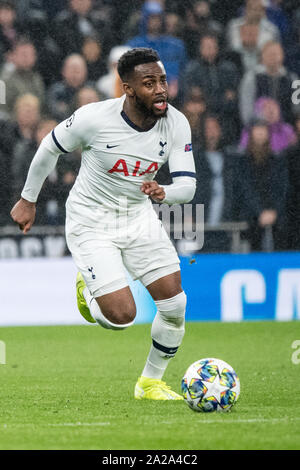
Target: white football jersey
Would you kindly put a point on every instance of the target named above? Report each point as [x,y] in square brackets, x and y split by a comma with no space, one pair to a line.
[117,156]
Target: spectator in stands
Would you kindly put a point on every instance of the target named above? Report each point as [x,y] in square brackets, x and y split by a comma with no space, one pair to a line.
[51,8]
[270,79]
[277,15]
[173,25]
[92,52]
[5,186]
[290,6]
[218,79]
[61,94]
[10,28]
[260,191]
[85,96]
[198,22]
[195,108]
[129,27]
[110,85]
[67,171]
[170,49]
[12,132]
[297,126]
[29,7]
[27,115]
[293,205]
[293,51]
[24,79]
[282,134]
[255,14]
[27,18]
[248,43]
[34,17]
[38,30]
[225,10]
[25,150]
[79,20]
[215,171]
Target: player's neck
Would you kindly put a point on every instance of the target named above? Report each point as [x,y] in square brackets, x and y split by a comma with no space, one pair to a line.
[138,117]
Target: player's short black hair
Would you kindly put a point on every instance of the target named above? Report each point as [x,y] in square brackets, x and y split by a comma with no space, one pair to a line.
[133,57]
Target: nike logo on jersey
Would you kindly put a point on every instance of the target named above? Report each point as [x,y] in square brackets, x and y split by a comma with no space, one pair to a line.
[111,146]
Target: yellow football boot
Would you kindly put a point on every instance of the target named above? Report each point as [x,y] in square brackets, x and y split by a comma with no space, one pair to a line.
[154,389]
[81,303]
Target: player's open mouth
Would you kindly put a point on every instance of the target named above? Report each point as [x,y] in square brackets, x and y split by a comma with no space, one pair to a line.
[161,105]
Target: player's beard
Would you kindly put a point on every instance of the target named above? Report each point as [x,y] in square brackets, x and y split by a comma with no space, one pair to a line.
[148,113]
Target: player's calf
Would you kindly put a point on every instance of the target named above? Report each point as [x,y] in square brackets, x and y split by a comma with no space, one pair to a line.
[167,333]
[118,315]
[115,311]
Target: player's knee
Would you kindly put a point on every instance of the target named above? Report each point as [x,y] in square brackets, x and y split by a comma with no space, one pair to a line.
[173,309]
[180,302]
[121,316]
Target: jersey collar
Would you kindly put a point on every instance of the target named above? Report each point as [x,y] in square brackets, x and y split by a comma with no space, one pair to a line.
[133,125]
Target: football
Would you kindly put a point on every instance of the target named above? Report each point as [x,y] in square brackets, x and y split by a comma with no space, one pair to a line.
[210,385]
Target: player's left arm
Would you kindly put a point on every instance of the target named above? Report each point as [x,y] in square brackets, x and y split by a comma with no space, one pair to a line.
[181,165]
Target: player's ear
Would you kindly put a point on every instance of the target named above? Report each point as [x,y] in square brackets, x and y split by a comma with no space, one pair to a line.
[128,89]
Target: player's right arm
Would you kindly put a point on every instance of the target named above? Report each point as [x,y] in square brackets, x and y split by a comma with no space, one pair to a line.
[66,137]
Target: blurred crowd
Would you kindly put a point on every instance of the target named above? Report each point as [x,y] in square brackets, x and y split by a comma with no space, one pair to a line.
[232,69]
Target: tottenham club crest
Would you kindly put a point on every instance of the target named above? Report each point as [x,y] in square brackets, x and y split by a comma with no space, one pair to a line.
[91,271]
[162,152]
[69,121]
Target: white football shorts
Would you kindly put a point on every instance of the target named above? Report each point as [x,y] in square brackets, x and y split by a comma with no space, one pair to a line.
[102,251]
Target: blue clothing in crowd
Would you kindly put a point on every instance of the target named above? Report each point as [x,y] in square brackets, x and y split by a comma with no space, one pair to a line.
[170,49]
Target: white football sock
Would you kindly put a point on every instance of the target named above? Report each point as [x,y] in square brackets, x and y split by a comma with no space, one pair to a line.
[167,333]
[98,315]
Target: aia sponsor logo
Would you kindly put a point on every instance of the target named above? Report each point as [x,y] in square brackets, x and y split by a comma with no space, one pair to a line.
[121,167]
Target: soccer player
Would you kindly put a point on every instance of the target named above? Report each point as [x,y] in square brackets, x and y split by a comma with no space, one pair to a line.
[124,142]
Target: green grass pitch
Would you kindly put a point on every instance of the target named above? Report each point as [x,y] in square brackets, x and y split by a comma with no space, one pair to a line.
[72,388]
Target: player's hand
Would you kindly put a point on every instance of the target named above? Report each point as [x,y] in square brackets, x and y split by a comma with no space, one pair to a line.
[23,213]
[152,189]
